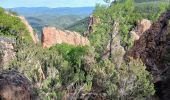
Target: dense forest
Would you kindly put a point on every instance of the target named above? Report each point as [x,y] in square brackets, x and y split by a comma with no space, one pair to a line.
[99,71]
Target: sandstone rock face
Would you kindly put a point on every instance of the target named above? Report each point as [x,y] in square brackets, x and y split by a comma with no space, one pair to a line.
[52,36]
[30,29]
[14,86]
[142,26]
[7,50]
[153,47]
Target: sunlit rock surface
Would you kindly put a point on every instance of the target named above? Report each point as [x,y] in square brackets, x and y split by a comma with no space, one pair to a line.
[52,36]
[142,26]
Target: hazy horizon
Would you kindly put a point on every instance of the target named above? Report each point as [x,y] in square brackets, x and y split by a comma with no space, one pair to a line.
[50,3]
[56,7]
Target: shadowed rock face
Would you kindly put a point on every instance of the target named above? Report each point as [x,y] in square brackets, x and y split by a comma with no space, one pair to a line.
[153,47]
[52,36]
[14,86]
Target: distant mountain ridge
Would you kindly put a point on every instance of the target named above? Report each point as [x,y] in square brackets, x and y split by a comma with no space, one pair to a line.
[39,17]
[59,11]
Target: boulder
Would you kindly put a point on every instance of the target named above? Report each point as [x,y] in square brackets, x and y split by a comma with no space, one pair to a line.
[14,86]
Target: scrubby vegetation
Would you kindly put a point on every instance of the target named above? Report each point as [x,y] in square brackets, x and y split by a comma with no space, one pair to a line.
[69,71]
[66,71]
[12,26]
[126,14]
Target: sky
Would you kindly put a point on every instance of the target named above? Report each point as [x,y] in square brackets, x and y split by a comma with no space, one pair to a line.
[49,3]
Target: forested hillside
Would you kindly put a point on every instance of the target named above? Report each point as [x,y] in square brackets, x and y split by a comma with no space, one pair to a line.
[143,6]
[105,69]
[79,26]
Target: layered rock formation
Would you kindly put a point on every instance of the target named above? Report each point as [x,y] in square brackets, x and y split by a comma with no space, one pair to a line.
[52,36]
[14,86]
[153,47]
[6,50]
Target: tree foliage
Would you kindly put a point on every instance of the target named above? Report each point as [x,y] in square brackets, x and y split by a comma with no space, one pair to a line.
[66,71]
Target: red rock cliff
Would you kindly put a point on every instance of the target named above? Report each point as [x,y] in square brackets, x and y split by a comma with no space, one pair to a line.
[52,36]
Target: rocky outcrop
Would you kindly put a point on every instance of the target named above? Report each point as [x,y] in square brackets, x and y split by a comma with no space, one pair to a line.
[6,50]
[52,36]
[30,29]
[91,23]
[14,86]
[153,47]
[142,26]
[114,50]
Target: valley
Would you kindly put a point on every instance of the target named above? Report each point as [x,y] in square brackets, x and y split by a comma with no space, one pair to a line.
[117,50]
[62,18]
